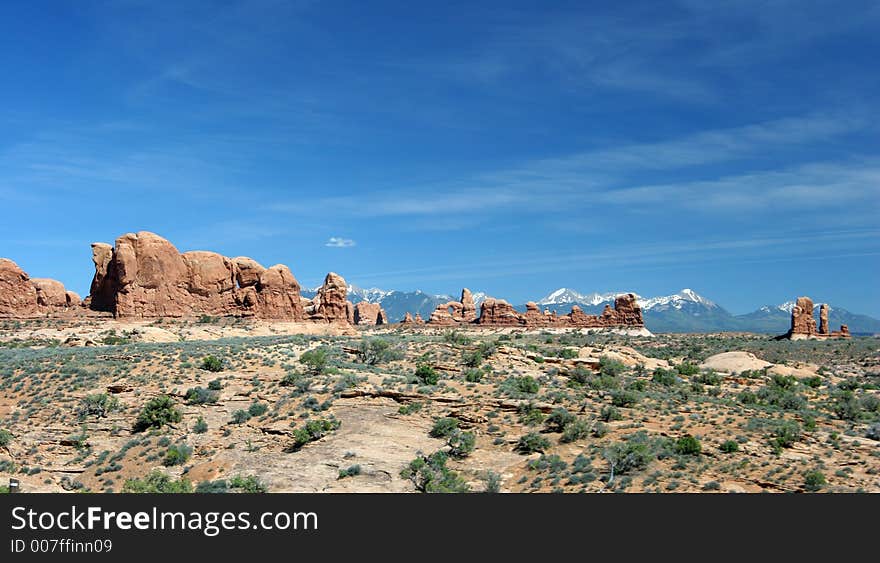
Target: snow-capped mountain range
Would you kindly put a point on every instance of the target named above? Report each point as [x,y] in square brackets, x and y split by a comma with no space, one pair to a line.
[685,311]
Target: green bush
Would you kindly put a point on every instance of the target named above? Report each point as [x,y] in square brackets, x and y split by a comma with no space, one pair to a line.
[158,412]
[527,384]
[200,396]
[429,474]
[5,438]
[98,405]
[373,351]
[157,482]
[532,442]
[687,445]
[559,419]
[200,426]
[315,360]
[257,409]
[786,434]
[212,363]
[350,471]
[812,382]
[665,377]
[575,430]
[215,384]
[633,454]
[249,484]
[472,359]
[610,367]
[568,353]
[580,375]
[473,375]
[814,480]
[312,431]
[709,377]
[729,446]
[427,375]
[747,398]
[461,444]
[444,427]
[624,398]
[240,416]
[177,455]
[687,368]
[609,413]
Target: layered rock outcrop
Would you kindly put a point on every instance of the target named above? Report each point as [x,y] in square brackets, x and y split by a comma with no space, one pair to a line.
[22,296]
[330,305]
[369,314]
[498,312]
[144,276]
[803,322]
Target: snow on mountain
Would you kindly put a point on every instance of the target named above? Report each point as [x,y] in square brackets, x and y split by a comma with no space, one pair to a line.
[370,295]
[787,307]
[676,301]
[566,295]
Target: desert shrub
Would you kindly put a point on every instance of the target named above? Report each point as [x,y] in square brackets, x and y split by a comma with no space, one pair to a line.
[461,444]
[250,484]
[212,363]
[609,413]
[559,419]
[709,377]
[747,398]
[568,353]
[872,433]
[530,415]
[814,480]
[350,471]
[373,351]
[526,384]
[473,375]
[610,367]
[580,375]
[845,405]
[290,379]
[429,474]
[575,430]
[532,442]
[870,403]
[486,349]
[624,398]
[200,396]
[687,368]
[456,337]
[729,446]
[219,486]
[472,358]
[427,375]
[215,384]
[493,482]
[687,445]
[315,360]
[177,455]
[158,412]
[258,409]
[157,482]
[313,430]
[444,427]
[98,405]
[633,454]
[5,438]
[240,416]
[200,426]
[785,434]
[812,382]
[782,397]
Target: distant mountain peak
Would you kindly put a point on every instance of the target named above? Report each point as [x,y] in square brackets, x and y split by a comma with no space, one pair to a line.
[677,300]
[567,295]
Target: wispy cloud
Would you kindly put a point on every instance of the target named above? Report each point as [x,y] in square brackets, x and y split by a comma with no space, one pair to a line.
[339,242]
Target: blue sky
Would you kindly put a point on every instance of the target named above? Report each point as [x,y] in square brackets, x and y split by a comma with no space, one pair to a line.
[512,147]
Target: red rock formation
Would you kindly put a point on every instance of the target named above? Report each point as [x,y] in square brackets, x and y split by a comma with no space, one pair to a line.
[498,312]
[803,323]
[369,314]
[802,319]
[329,305]
[145,276]
[447,314]
[18,297]
[22,296]
[407,318]
[468,309]
[533,315]
[419,320]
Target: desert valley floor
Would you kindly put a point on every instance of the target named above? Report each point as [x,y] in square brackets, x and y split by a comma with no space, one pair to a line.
[216,405]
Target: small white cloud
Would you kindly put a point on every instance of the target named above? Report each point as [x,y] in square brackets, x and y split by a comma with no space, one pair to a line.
[339,242]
